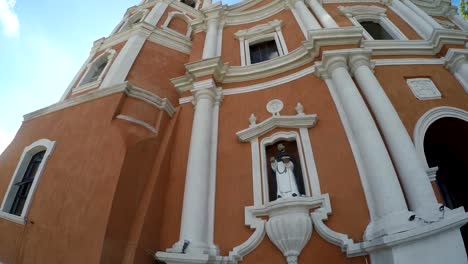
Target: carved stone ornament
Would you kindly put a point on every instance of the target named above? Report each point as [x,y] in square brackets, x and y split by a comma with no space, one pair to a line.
[274,107]
[290,232]
[423,88]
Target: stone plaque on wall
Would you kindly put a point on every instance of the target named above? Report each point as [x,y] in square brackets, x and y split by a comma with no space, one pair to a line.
[423,88]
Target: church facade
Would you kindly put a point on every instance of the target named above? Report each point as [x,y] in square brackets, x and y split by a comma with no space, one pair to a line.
[268,131]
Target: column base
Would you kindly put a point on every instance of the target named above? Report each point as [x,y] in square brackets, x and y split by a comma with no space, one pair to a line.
[445,247]
[435,243]
[190,247]
[179,258]
[391,224]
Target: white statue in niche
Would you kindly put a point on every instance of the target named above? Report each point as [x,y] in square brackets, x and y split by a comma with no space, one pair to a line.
[283,172]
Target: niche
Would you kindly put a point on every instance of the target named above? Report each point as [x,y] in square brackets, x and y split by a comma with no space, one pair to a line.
[285,176]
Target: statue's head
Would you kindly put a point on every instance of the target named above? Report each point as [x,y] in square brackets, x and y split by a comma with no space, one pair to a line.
[281,147]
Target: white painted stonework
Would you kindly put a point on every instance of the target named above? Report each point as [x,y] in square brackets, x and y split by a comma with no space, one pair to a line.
[423,88]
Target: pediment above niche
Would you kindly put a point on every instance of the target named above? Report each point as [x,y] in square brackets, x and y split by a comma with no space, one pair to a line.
[269,27]
[301,120]
[357,10]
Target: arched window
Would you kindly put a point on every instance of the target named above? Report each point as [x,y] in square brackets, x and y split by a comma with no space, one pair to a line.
[18,197]
[178,23]
[96,69]
[24,186]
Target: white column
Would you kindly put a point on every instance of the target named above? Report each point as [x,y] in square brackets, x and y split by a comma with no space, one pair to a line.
[123,63]
[211,39]
[413,177]
[422,14]
[390,207]
[407,14]
[213,161]
[307,19]
[458,20]
[156,13]
[325,19]
[195,221]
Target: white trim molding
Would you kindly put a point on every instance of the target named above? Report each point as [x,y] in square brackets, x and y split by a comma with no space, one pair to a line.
[36,147]
[184,17]
[133,20]
[360,13]
[127,88]
[273,122]
[426,120]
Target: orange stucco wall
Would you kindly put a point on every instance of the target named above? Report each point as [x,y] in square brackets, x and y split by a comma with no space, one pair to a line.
[179,25]
[154,67]
[69,210]
[410,109]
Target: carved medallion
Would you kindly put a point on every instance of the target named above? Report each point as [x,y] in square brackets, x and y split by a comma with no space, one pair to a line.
[423,88]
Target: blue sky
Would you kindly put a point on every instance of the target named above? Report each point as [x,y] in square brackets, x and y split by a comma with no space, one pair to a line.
[43,43]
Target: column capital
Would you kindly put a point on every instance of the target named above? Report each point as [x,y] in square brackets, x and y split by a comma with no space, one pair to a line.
[341,58]
[361,59]
[455,58]
[328,64]
[206,89]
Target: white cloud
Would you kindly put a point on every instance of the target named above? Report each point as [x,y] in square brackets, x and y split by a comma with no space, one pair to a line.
[8,17]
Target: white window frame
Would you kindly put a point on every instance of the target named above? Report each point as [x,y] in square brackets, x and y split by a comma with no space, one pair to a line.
[182,16]
[357,14]
[271,140]
[108,55]
[28,153]
[260,33]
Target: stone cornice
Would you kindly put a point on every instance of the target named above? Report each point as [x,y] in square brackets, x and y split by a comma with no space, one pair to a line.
[271,123]
[127,88]
[241,6]
[439,38]
[263,12]
[362,10]
[208,67]
[271,26]
[299,57]
[169,40]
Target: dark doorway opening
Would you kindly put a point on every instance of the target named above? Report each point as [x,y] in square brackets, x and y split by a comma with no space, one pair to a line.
[446,147]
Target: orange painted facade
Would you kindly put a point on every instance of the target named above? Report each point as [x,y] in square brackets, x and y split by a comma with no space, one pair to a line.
[112,190]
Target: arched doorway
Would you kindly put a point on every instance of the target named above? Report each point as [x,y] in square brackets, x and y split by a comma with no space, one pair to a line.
[446,147]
